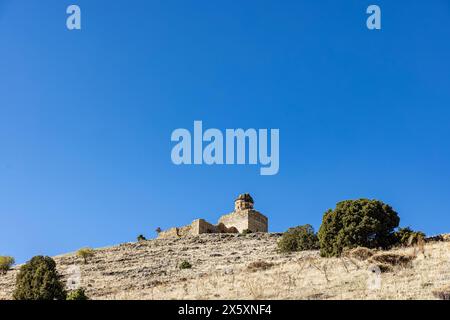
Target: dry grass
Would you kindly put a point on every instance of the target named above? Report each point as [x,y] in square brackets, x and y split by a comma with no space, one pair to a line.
[259,265]
[392,259]
[256,290]
[442,293]
[149,270]
[360,253]
[384,268]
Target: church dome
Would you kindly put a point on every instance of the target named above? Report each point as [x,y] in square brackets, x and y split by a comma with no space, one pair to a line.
[246,197]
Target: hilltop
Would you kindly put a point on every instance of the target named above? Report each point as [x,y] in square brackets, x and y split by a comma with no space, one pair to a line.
[235,266]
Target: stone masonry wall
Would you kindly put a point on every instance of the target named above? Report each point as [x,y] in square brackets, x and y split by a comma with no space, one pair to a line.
[200,226]
[257,222]
[244,217]
[236,219]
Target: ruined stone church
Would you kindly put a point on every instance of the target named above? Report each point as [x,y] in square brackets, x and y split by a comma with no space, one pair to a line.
[244,217]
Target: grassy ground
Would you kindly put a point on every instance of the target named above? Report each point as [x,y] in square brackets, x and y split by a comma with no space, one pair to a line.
[249,267]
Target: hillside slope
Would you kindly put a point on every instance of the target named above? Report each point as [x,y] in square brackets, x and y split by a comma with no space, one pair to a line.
[223,267]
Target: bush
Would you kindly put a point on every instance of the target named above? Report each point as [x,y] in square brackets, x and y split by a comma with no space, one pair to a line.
[185,265]
[141,238]
[78,294]
[5,264]
[298,239]
[357,223]
[246,231]
[85,254]
[407,237]
[39,280]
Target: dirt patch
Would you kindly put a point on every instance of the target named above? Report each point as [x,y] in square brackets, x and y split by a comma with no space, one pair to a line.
[392,259]
[360,253]
[259,265]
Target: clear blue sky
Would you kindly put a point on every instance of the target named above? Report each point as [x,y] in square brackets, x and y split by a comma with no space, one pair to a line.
[86,116]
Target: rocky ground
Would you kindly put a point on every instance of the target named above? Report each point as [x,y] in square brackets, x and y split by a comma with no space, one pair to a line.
[232,266]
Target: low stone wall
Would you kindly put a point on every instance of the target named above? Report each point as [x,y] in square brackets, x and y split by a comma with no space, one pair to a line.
[176,232]
[200,226]
[197,227]
[169,233]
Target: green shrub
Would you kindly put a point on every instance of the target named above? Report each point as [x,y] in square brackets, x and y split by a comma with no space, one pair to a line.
[357,223]
[85,254]
[141,238]
[298,239]
[39,280]
[78,294]
[5,264]
[407,237]
[246,231]
[185,265]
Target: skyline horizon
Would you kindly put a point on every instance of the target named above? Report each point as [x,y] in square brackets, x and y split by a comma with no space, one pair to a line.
[86,116]
[154,233]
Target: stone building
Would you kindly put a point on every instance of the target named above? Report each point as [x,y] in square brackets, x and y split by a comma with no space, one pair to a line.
[244,217]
